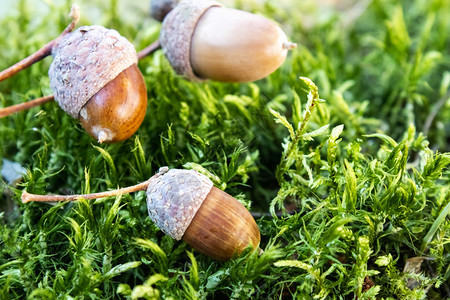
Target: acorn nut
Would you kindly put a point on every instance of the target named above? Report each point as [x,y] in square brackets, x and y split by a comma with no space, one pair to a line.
[204,40]
[185,205]
[95,79]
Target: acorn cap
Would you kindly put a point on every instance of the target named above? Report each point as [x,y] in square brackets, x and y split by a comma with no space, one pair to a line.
[84,61]
[176,32]
[173,198]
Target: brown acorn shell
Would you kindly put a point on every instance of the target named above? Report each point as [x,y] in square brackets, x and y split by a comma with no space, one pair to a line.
[84,61]
[222,228]
[176,33]
[118,109]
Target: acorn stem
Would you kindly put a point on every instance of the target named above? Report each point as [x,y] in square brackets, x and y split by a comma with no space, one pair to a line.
[27,197]
[289,45]
[26,105]
[102,136]
[45,51]
[149,49]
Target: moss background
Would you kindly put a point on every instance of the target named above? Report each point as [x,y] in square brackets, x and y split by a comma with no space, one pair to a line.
[347,174]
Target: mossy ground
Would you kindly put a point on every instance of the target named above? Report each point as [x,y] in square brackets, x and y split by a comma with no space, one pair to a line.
[351,193]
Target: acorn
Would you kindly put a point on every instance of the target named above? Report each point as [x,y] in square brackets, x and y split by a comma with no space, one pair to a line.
[185,205]
[202,39]
[160,8]
[95,78]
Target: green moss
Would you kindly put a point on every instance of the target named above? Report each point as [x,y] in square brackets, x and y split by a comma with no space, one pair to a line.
[345,190]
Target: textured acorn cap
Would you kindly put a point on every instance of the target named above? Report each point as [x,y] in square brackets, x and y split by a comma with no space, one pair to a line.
[176,32]
[84,61]
[174,197]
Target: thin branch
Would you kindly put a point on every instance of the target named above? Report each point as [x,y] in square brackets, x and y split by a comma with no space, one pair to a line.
[149,49]
[44,51]
[26,105]
[27,197]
